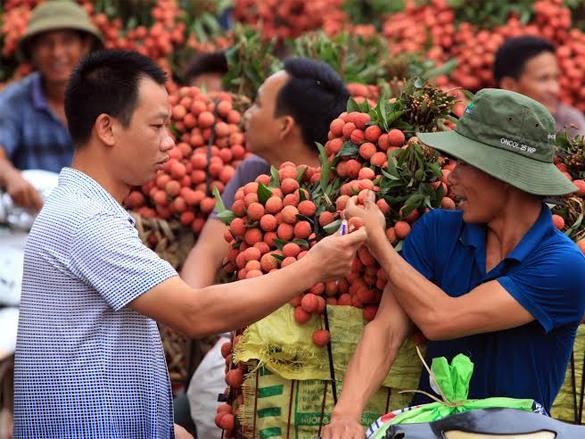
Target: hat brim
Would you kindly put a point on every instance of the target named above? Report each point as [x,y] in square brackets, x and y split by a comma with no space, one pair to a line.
[24,47]
[524,173]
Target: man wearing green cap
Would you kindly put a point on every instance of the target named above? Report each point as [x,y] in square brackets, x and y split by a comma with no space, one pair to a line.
[33,130]
[494,280]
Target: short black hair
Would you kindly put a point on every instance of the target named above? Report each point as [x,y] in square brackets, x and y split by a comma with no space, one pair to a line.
[314,95]
[211,62]
[514,53]
[106,82]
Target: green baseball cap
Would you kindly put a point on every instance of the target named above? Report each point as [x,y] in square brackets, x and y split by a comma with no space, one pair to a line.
[55,15]
[508,136]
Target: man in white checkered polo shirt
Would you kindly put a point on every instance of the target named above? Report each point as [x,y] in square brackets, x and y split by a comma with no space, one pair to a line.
[89,361]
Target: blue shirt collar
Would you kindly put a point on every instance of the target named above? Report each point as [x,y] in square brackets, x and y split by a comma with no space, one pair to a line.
[38,95]
[88,186]
[474,235]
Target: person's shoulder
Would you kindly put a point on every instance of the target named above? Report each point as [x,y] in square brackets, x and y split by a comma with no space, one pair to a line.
[254,162]
[252,167]
[17,90]
[568,111]
[570,119]
[559,255]
[561,244]
[78,211]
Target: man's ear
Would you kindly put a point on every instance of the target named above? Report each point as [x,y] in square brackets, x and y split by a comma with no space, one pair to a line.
[104,129]
[86,44]
[509,83]
[287,124]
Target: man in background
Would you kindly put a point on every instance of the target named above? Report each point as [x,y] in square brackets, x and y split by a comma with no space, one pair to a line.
[33,130]
[206,71]
[528,65]
[293,110]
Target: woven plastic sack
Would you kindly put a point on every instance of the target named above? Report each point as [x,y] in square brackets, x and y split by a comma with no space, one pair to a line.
[289,394]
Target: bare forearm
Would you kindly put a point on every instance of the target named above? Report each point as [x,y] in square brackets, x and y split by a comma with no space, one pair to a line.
[230,306]
[198,270]
[205,259]
[366,371]
[424,302]
[218,308]
[6,168]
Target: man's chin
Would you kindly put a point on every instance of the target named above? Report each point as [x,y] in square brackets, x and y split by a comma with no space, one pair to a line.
[57,78]
[552,106]
[57,81]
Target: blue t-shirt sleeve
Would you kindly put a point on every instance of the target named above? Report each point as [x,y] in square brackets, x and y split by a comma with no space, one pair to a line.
[551,287]
[107,253]
[417,248]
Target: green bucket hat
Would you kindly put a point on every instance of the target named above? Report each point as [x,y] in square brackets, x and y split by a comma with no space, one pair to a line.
[508,136]
[55,15]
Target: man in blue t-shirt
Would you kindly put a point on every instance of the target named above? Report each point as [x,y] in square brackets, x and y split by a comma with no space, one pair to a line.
[494,280]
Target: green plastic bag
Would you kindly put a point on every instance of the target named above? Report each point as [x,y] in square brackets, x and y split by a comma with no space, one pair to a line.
[452,381]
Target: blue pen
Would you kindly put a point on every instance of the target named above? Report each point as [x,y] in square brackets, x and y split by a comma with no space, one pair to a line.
[343,228]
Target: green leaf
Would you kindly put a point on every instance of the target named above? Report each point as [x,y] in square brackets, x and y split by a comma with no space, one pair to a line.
[264,193]
[443,69]
[398,246]
[302,217]
[280,243]
[383,112]
[525,16]
[392,117]
[455,4]
[278,257]
[364,107]
[325,167]
[226,217]
[575,225]
[352,105]
[303,243]
[332,227]
[427,202]
[300,173]
[219,206]
[302,196]
[435,169]
[413,202]
[275,177]
[391,175]
[349,149]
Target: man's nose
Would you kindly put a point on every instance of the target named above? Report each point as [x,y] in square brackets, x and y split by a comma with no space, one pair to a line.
[168,141]
[57,48]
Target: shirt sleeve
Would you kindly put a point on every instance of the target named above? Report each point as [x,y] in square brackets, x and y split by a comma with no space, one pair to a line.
[551,287]
[417,247]
[107,253]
